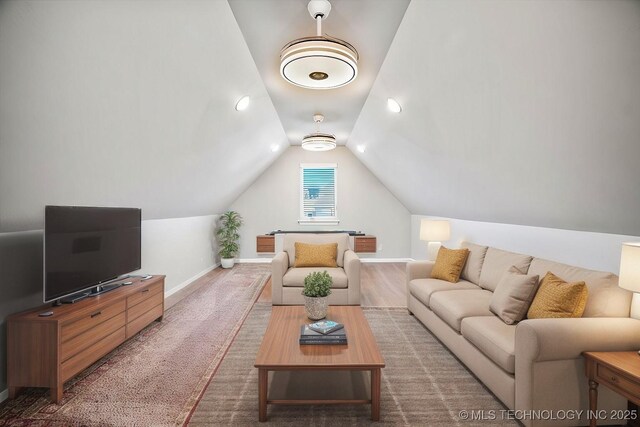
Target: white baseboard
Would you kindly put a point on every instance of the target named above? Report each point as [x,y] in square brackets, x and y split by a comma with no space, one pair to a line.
[189,281]
[254,260]
[4,395]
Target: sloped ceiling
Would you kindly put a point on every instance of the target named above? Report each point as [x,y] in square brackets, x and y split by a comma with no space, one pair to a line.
[369,25]
[522,112]
[127,104]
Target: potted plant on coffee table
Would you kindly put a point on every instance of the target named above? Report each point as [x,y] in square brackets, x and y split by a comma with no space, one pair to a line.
[228,225]
[317,287]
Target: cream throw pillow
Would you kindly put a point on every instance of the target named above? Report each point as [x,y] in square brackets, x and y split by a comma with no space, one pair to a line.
[308,255]
[449,264]
[557,298]
[513,295]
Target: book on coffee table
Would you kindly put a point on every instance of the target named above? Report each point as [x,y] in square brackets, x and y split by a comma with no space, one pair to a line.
[309,336]
[325,326]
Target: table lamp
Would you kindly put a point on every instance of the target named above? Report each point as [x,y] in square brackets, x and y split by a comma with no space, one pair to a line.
[434,231]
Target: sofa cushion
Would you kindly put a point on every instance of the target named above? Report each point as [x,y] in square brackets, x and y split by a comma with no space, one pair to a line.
[449,263]
[342,239]
[294,277]
[606,298]
[497,262]
[309,255]
[423,289]
[513,296]
[557,298]
[494,338]
[473,266]
[453,306]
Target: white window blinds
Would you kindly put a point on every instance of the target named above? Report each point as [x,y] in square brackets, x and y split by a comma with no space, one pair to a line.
[318,191]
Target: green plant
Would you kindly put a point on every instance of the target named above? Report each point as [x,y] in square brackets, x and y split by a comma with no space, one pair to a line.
[228,225]
[317,284]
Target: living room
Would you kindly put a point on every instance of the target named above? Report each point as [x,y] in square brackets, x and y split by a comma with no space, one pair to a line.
[510,127]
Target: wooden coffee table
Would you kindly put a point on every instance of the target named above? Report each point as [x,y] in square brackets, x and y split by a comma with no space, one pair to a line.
[280,351]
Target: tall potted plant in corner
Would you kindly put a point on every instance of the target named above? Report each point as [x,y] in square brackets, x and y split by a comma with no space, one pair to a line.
[317,287]
[228,225]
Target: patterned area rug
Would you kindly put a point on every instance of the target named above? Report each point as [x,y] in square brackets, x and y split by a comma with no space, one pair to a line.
[155,378]
[423,384]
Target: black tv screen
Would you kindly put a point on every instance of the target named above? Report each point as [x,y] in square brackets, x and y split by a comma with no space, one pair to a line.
[85,246]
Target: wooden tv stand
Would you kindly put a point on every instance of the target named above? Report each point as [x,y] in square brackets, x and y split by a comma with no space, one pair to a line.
[47,351]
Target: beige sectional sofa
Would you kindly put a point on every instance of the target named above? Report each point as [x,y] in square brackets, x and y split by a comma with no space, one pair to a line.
[287,281]
[537,363]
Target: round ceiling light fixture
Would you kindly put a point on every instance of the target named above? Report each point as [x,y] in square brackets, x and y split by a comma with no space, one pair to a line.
[319,62]
[318,141]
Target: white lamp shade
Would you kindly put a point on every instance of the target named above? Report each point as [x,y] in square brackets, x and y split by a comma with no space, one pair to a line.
[435,230]
[630,267]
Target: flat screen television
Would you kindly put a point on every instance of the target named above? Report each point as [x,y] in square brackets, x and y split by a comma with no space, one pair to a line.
[87,246]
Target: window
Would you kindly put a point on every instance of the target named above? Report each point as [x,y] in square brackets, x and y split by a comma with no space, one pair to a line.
[318,193]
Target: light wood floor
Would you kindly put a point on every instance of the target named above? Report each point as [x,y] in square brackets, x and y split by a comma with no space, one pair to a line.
[381,285]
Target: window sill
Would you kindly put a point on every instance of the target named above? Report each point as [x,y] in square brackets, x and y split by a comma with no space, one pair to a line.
[318,221]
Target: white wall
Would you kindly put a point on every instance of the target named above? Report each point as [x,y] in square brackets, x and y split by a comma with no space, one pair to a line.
[180,248]
[597,251]
[272,202]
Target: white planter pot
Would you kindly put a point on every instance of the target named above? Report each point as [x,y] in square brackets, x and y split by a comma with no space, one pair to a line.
[227,262]
[316,307]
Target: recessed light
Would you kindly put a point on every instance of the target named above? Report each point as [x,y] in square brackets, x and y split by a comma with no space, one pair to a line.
[243,103]
[275,147]
[393,105]
[361,148]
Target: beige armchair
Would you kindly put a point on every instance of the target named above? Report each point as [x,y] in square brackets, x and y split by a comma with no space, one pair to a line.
[287,281]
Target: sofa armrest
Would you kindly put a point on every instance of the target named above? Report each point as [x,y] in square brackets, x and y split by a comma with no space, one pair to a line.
[352,270]
[417,270]
[542,340]
[279,266]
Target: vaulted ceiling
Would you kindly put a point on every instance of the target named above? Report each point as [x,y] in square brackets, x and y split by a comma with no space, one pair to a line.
[520,112]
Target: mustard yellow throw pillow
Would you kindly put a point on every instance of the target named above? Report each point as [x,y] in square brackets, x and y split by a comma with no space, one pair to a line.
[557,298]
[308,255]
[449,264]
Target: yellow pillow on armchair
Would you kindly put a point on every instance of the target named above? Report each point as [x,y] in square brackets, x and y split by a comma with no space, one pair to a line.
[449,264]
[309,255]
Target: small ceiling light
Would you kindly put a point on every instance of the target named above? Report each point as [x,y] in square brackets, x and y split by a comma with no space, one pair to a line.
[275,147]
[361,148]
[319,62]
[318,141]
[243,103]
[393,105]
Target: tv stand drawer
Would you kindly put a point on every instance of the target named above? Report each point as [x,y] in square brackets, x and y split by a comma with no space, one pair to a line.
[144,293]
[89,355]
[91,319]
[92,336]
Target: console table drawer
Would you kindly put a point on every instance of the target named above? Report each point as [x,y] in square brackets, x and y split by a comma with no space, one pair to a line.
[89,355]
[91,320]
[365,244]
[92,336]
[265,244]
[144,294]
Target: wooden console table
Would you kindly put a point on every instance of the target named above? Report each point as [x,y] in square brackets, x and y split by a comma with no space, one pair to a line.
[619,371]
[47,351]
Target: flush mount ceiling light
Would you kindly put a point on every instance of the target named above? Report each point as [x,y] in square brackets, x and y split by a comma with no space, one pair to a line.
[318,141]
[319,62]
[243,103]
[393,105]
